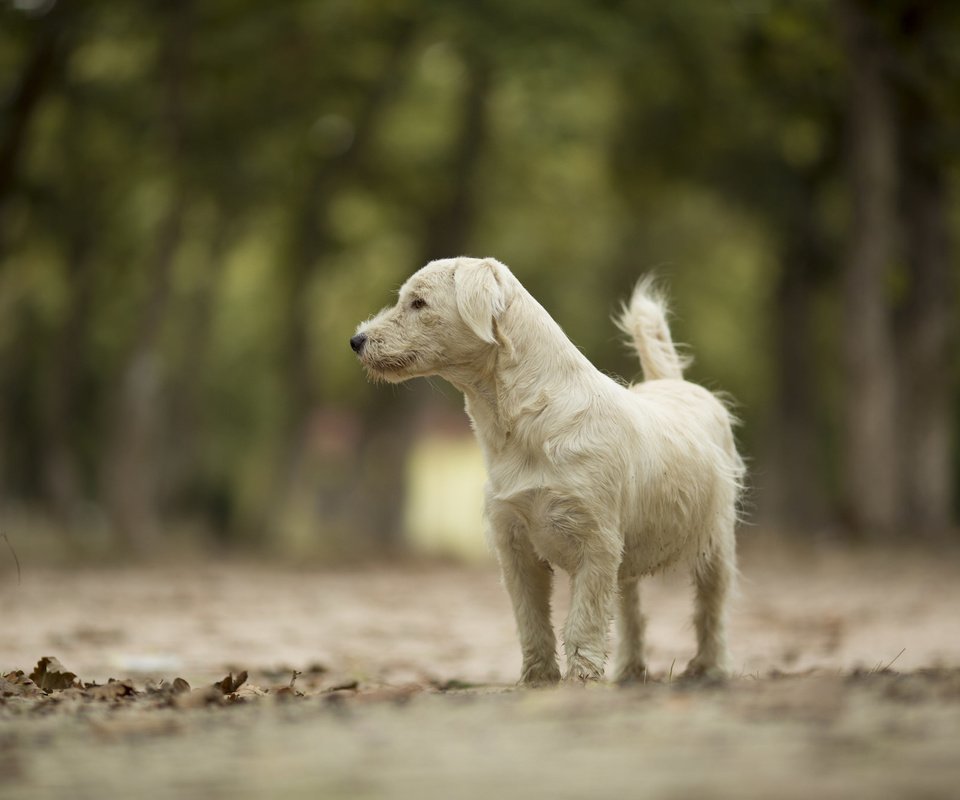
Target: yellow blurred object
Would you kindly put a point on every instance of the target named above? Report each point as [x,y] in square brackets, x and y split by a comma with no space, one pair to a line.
[445,498]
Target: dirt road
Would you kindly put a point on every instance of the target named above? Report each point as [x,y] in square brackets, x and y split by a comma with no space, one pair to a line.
[848,684]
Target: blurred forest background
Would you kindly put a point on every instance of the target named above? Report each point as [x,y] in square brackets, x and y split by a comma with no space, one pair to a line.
[200,199]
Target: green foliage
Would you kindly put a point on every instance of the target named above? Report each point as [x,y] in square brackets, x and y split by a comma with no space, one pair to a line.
[226,188]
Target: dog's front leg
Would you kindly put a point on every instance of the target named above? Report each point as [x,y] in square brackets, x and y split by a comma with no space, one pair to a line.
[593,586]
[529,579]
[629,665]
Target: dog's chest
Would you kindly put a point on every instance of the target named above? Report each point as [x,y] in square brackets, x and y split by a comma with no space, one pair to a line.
[553,546]
[557,524]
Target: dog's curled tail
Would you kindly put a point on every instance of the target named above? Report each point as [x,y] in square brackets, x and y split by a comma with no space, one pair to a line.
[644,320]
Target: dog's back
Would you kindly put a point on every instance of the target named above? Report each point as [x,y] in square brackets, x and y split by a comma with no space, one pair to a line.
[645,320]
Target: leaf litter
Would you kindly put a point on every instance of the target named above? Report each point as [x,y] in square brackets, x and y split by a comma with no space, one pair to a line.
[52,688]
[816,706]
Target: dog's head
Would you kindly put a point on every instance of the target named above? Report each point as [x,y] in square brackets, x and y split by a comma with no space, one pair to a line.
[445,318]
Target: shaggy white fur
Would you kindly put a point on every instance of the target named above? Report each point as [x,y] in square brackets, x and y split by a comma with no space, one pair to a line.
[606,482]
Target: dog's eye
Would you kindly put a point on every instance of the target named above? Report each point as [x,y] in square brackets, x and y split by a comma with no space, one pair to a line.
[417,303]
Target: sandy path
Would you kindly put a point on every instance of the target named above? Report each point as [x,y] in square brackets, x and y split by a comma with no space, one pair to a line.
[826,730]
[830,608]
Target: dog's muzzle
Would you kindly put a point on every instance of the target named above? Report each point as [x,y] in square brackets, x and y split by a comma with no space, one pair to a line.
[357,343]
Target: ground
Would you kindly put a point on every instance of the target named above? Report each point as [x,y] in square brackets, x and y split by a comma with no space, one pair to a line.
[847,684]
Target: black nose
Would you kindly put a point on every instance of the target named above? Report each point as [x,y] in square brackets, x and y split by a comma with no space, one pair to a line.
[358,341]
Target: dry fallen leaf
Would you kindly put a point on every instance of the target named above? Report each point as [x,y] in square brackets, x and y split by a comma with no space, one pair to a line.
[230,684]
[16,684]
[199,698]
[50,675]
[249,691]
[112,690]
[164,689]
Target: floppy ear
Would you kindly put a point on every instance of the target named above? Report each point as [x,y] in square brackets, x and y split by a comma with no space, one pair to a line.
[479,297]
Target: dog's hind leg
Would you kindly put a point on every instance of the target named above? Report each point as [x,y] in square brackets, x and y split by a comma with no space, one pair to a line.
[629,662]
[593,585]
[714,575]
[529,580]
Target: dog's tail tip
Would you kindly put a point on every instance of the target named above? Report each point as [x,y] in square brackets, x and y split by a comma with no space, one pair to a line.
[644,320]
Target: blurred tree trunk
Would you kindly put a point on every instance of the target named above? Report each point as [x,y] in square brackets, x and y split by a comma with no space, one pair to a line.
[450,221]
[383,451]
[185,477]
[131,479]
[77,223]
[311,240]
[38,74]
[64,487]
[926,368]
[388,429]
[925,323]
[871,455]
[796,489]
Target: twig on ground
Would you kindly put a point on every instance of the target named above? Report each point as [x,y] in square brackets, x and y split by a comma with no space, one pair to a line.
[15,559]
[884,669]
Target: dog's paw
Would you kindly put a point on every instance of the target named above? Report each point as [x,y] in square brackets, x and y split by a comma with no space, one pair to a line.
[540,674]
[631,673]
[581,669]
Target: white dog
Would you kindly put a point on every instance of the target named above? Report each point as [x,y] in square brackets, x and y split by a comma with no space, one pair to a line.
[608,483]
